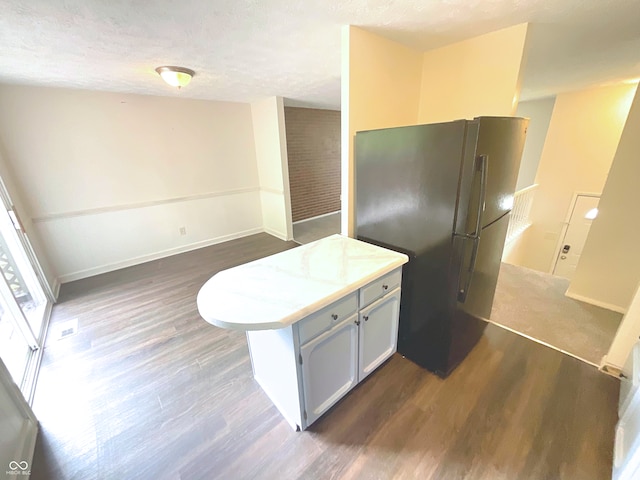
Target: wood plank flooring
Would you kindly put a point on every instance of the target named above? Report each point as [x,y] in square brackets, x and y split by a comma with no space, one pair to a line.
[311,230]
[147,390]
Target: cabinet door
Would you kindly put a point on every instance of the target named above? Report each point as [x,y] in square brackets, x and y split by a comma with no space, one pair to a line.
[329,367]
[378,333]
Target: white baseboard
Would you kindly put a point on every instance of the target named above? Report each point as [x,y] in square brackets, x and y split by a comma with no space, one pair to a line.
[276,234]
[597,303]
[316,217]
[610,368]
[90,272]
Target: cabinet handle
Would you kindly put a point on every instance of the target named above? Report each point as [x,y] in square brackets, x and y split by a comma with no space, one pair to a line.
[365,317]
[334,316]
[384,287]
[357,322]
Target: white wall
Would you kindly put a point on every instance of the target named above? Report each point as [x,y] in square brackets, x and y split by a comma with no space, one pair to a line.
[18,426]
[539,114]
[609,268]
[32,235]
[626,336]
[109,179]
[581,142]
[273,170]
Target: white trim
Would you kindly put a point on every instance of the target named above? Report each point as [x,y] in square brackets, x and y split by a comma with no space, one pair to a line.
[533,186]
[609,368]
[274,233]
[597,303]
[90,272]
[544,343]
[565,225]
[284,158]
[27,443]
[32,370]
[274,191]
[316,217]
[131,206]
[56,289]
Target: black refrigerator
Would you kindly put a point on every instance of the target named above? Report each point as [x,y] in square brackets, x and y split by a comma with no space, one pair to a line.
[441,193]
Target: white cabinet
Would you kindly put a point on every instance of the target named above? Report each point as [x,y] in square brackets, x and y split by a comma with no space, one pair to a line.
[329,367]
[378,331]
[307,367]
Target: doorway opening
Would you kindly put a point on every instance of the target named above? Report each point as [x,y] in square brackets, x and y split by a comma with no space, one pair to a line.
[582,212]
[313,150]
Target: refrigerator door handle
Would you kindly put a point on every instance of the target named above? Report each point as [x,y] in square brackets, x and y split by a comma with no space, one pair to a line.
[475,235]
[484,167]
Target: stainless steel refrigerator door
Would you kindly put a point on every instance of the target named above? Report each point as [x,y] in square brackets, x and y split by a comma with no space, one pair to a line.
[406,183]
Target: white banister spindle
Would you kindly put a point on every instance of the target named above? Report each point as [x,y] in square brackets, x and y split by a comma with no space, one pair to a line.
[519,220]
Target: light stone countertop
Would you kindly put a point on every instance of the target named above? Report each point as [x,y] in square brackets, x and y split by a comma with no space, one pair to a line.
[277,291]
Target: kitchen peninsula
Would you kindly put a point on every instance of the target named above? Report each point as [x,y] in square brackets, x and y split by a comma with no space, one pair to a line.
[319,318]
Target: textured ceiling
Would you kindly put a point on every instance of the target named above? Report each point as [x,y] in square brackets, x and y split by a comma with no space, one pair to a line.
[243,50]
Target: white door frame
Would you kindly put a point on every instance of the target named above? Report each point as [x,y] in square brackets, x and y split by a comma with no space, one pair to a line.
[25,446]
[565,226]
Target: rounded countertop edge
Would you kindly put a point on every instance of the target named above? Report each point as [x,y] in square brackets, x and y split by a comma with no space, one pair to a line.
[308,309]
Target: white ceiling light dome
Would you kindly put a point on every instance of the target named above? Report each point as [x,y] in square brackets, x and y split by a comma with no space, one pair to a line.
[176,76]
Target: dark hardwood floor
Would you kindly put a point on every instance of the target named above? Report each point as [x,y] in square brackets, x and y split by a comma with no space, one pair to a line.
[148,390]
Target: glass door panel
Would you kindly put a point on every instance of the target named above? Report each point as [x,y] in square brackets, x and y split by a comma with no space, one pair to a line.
[23,301]
[14,349]
[23,304]
[20,276]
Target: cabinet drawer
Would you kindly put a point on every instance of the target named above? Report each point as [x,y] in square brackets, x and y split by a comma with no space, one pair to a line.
[380,287]
[321,321]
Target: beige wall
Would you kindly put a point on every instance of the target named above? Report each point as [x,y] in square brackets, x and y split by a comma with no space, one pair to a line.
[386,84]
[626,336]
[271,157]
[609,268]
[17,197]
[539,114]
[583,135]
[380,88]
[110,178]
[479,76]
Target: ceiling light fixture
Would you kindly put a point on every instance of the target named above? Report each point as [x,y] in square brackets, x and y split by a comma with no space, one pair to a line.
[176,76]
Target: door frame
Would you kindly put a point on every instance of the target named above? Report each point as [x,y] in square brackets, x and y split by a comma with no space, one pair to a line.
[565,226]
[27,442]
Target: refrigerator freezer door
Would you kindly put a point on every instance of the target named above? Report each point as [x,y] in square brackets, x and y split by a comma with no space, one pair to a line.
[469,320]
[406,183]
[479,298]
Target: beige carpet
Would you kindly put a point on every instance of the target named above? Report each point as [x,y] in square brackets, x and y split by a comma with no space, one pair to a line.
[533,304]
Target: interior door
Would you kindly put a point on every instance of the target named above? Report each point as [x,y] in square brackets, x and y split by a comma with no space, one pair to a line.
[378,333]
[329,367]
[584,211]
